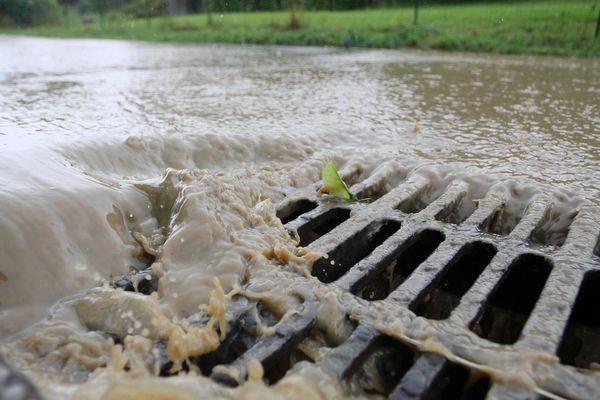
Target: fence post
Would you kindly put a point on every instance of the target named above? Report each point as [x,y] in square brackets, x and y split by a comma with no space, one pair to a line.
[147,13]
[597,24]
[209,13]
[416,12]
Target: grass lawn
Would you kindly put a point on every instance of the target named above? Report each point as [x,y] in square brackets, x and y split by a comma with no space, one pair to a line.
[563,28]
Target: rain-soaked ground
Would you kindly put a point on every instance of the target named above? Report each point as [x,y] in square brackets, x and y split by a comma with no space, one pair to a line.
[109,147]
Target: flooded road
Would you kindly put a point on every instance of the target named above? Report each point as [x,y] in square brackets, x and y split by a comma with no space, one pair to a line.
[533,117]
[125,155]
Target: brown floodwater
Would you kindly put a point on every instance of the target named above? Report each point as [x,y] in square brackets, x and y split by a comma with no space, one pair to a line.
[523,116]
[184,150]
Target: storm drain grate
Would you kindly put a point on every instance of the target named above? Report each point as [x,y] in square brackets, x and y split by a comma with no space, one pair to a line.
[447,297]
[507,277]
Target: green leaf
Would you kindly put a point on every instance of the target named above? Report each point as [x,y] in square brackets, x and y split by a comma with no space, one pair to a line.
[333,184]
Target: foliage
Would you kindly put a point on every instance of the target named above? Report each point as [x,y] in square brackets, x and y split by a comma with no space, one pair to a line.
[29,12]
[145,8]
[562,27]
[47,12]
[333,184]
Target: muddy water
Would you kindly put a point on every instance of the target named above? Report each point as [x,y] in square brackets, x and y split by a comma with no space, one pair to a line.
[123,155]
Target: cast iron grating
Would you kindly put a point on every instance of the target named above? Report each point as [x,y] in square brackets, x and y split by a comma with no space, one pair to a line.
[478,274]
[511,274]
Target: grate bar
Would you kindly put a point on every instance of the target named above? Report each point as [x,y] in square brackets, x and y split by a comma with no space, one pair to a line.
[295,208]
[534,215]
[379,259]
[344,359]
[553,229]
[240,337]
[487,208]
[549,318]
[417,201]
[377,184]
[342,233]
[322,224]
[424,377]
[433,377]
[367,357]
[444,293]
[272,351]
[354,249]
[409,189]
[472,302]
[510,303]
[423,276]
[350,174]
[444,205]
[392,268]
[583,237]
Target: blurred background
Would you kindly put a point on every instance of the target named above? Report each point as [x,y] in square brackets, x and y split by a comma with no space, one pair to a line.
[564,28]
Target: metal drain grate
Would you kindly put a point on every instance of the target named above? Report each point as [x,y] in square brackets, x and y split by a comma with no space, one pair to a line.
[512,279]
[498,293]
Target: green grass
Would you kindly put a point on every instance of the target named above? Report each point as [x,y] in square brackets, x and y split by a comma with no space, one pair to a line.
[562,28]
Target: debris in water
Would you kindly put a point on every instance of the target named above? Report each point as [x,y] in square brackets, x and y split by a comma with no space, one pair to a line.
[333,184]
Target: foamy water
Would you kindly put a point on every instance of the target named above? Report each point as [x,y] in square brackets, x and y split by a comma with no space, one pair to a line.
[113,152]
